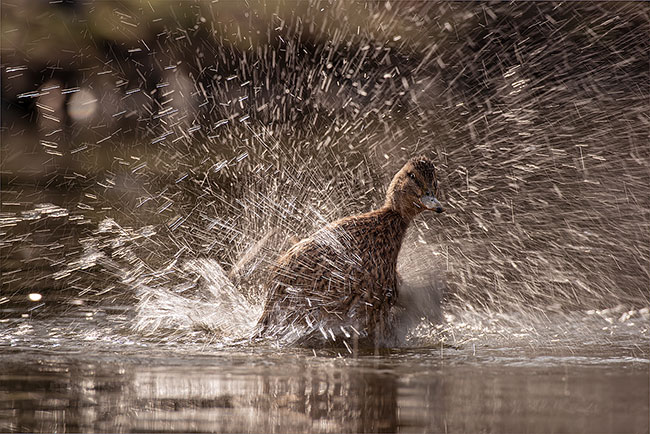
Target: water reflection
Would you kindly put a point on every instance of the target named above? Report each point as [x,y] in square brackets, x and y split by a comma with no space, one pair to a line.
[417,392]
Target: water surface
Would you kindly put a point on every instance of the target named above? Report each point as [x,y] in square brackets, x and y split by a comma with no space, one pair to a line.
[85,370]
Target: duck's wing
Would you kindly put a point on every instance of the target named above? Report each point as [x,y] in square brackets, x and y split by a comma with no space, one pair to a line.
[312,275]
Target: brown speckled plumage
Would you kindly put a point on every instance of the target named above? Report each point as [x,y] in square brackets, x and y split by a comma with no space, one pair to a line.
[341,282]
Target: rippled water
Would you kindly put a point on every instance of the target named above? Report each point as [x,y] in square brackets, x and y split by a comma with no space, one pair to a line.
[84,369]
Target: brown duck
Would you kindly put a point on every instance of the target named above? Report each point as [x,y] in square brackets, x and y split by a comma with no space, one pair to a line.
[340,283]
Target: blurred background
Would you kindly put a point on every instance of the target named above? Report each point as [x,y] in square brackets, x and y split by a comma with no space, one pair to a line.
[219,125]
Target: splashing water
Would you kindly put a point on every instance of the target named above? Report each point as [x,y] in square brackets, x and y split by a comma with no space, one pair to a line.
[221,309]
[219,143]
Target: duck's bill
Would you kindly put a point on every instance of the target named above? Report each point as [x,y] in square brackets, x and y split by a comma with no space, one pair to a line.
[430,202]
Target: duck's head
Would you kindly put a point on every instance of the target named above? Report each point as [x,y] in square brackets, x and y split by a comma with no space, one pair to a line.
[414,188]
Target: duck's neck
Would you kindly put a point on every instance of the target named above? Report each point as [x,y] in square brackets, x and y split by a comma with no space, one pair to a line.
[394,223]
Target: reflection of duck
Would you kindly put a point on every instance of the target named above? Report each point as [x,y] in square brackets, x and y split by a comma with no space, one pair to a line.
[342,280]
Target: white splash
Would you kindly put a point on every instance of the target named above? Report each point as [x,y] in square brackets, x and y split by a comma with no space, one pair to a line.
[215,305]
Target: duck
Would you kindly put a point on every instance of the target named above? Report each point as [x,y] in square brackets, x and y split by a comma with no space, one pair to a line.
[340,283]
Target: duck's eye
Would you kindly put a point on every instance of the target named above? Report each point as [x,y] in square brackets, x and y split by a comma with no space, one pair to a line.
[412,175]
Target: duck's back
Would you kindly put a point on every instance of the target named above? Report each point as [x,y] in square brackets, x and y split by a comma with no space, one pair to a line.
[343,275]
